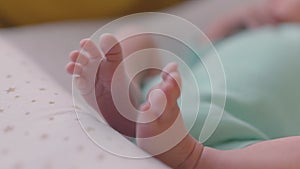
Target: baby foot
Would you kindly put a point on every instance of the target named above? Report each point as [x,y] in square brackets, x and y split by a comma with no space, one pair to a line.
[166,137]
[160,99]
[95,72]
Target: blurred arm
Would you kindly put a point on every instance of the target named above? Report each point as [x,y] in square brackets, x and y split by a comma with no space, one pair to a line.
[274,154]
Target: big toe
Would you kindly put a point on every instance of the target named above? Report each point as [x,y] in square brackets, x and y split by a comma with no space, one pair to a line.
[111,47]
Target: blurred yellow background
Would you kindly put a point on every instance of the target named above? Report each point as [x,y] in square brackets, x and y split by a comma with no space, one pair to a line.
[24,12]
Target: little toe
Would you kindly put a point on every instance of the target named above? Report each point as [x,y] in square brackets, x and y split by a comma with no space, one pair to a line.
[89,46]
[74,68]
[78,57]
[111,47]
[70,67]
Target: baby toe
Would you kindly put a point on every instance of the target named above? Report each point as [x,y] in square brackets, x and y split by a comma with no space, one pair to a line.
[78,57]
[89,46]
[158,101]
[171,67]
[74,68]
[174,80]
[172,83]
[111,47]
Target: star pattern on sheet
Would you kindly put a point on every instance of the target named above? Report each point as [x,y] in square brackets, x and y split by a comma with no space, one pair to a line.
[9,90]
[44,136]
[8,129]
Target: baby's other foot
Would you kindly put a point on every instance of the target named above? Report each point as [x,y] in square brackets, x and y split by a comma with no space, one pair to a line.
[161,99]
[166,137]
[95,71]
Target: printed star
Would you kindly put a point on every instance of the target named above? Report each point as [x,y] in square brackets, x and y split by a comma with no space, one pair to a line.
[8,129]
[44,136]
[9,90]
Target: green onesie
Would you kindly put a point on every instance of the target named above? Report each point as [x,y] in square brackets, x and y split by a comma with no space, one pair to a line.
[262,69]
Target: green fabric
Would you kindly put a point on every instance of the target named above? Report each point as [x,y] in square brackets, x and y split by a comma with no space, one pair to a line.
[262,73]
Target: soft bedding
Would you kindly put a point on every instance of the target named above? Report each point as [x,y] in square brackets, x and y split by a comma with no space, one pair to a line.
[39,128]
